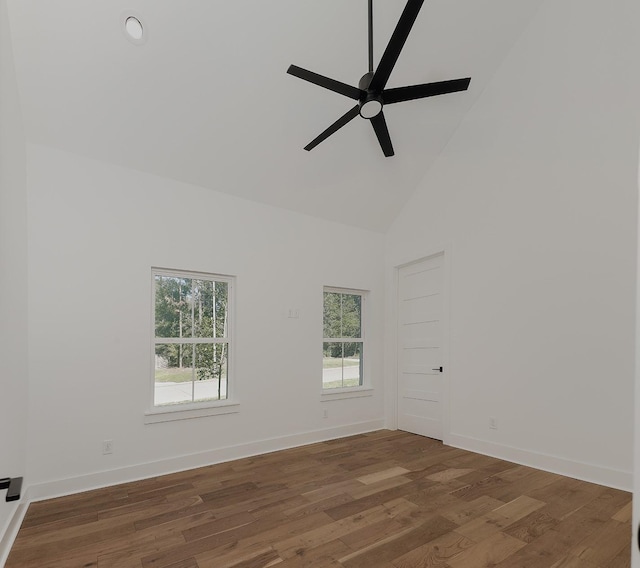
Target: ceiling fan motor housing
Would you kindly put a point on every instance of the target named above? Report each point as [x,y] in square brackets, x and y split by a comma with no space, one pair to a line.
[370,103]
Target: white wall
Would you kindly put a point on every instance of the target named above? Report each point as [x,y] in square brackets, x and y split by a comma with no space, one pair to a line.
[13,278]
[95,231]
[536,197]
[635,558]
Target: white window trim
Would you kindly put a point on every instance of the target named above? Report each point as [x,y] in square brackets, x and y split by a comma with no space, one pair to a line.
[328,395]
[195,410]
[365,389]
[182,411]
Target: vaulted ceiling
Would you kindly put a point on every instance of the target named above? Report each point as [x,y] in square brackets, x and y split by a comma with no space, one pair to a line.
[206,98]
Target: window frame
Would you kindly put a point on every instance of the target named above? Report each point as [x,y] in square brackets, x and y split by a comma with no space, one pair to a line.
[364,389]
[180,411]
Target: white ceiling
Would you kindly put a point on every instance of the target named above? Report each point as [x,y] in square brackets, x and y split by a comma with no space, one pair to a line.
[206,99]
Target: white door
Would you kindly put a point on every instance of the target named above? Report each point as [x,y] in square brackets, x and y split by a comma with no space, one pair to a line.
[420,342]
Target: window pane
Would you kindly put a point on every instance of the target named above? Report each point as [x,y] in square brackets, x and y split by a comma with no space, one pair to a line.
[332,314]
[331,365]
[173,374]
[351,315]
[211,372]
[203,308]
[220,299]
[173,306]
[352,369]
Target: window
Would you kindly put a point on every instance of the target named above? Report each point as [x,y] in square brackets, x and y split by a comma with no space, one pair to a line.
[191,340]
[342,347]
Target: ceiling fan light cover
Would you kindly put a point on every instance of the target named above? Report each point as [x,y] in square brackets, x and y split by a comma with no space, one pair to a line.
[371,108]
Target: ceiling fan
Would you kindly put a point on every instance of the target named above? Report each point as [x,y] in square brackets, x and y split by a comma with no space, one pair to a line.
[371,93]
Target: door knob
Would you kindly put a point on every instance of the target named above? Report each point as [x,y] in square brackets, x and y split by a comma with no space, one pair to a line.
[438,369]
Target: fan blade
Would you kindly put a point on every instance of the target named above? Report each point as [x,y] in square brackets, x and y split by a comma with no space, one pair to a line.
[322,81]
[396,43]
[402,94]
[382,132]
[337,125]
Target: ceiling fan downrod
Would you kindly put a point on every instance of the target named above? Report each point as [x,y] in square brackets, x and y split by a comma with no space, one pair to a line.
[371,36]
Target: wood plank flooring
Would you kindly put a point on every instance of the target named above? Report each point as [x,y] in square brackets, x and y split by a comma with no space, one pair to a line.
[380,500]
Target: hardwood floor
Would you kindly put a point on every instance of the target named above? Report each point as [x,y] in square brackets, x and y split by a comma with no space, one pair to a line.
[380,500]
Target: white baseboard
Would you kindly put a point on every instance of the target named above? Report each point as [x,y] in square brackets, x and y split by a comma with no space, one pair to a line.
[60,487]
[592,473]
[13,525]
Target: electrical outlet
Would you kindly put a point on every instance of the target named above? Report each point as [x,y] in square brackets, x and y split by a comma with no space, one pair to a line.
[107,447]
[493,424]
[325,414]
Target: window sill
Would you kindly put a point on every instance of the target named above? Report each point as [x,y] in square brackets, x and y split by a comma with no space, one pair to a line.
[340,394]
[172,414]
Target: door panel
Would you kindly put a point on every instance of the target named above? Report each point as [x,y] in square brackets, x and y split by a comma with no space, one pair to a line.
[420,339]
[421,310]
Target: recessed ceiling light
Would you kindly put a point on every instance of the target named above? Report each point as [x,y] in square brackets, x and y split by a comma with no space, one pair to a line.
[133,27]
